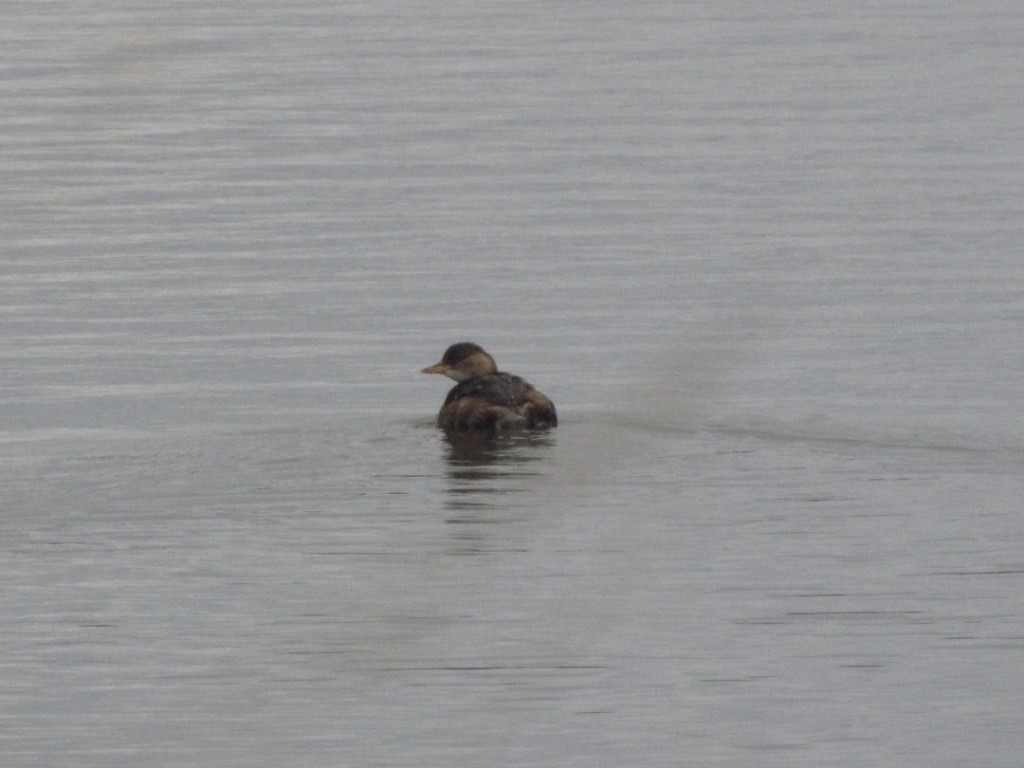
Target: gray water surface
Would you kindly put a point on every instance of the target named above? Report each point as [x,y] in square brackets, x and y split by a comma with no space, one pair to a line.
[767,262]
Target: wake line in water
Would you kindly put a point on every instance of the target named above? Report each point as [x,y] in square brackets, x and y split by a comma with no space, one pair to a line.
[841,435]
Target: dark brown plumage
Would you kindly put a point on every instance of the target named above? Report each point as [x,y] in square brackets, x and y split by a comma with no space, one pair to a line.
[487,399]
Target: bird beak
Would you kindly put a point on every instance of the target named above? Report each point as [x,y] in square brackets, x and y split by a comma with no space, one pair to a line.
[437,368]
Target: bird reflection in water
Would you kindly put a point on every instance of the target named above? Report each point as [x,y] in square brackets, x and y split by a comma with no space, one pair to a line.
[484,472]
[480,449]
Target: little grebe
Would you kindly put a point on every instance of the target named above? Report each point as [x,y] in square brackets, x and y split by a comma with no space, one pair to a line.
[484,398]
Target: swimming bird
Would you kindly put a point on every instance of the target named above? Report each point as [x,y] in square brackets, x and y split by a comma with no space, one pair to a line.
[486,398]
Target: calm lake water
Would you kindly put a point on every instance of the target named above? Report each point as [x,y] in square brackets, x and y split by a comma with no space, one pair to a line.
[767,261]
